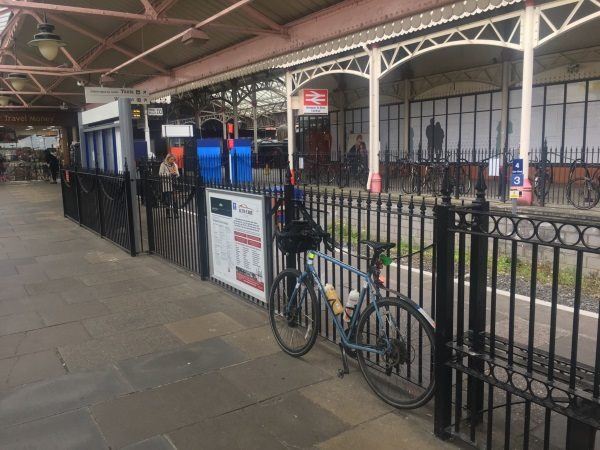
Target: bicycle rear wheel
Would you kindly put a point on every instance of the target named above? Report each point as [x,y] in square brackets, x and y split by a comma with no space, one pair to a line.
[293,313]
[403,376]
[583,193]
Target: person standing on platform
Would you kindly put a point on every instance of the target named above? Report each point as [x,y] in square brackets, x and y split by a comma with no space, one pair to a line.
[168,173]
[53,164]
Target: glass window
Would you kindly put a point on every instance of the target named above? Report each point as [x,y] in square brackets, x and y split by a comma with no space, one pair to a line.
[467,124]
[482,133]
[415,109]
[394,110]
[453,105]
[452,131]
[427,108]
[497,100]
[496,138]
[349,116]
[514,128]
[383,112]
[576,92]
[483,102]
[393,139]
[415,134]
[574,125]
[537,96]
[555,94]
[594,90]
[383,137]
[592,138]
[514,98]
[553,127]
[535,137]
[440,107]
[468,103]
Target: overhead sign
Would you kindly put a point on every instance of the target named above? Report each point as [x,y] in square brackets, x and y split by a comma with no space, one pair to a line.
[99,94]
[177,131]
[157,112]
[314,101]
[237,236]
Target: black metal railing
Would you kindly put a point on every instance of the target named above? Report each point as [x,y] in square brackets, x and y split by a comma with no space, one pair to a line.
[172,209]
[512,319]
[101,202]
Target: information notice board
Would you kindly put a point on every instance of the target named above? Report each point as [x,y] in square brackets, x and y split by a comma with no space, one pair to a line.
[237,240]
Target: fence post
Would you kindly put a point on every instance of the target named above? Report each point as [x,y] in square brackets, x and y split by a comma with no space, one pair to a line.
[77,194]
[149,203]
[478,293]
[387,168]
[542,175]
[99,199]
[201,228]
[444,308]
[289,214]
[129,203]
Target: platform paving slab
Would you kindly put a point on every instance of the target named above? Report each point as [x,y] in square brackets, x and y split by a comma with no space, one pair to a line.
[32,367]
[153,443]
[100,352]
[141,415]
[60,394]
[184,362]
[204,327]
[72,430]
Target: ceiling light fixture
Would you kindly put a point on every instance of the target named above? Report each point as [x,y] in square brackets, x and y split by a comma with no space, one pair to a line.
[4,100]
[47,41]
[17,80]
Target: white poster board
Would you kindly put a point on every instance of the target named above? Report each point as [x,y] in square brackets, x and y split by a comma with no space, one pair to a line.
[237,240]
[177,131]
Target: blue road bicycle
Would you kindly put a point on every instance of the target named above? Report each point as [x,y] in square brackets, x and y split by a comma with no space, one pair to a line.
[392,337]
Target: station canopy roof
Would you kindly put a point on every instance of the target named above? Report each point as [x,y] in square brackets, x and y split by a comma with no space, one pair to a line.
[101,36]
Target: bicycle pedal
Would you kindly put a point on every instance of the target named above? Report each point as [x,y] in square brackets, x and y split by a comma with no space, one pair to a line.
[341,373]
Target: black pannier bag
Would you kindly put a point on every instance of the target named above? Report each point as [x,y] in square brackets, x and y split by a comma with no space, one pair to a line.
[299,236]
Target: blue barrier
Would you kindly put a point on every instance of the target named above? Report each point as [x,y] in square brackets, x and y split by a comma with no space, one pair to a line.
[240,161]
[209,159]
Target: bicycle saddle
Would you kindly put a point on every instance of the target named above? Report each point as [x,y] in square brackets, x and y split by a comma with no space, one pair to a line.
[378,246]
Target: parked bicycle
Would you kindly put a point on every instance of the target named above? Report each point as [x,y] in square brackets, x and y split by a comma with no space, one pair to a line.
[392,337]
[583,188]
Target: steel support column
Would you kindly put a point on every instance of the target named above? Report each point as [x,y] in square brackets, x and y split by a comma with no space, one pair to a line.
[406,128]
[234,99]
[504,129]
[291,129]
[254,120]
[528,34]
[374,183]
[147,132]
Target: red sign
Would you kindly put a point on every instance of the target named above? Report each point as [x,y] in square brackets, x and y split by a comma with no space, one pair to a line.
[315,101]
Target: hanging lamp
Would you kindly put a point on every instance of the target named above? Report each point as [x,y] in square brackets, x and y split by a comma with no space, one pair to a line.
[47,41]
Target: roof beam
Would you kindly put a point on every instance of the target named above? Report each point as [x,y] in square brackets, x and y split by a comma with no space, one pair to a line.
[260,17]
[104,44]
[247,30]
[42,93]
[65,9]
[201,24]
[119,34]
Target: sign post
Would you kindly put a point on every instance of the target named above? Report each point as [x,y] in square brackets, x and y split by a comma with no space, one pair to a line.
[516,182]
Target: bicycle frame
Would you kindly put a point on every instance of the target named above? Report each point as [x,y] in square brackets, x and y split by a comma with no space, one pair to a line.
[368,286]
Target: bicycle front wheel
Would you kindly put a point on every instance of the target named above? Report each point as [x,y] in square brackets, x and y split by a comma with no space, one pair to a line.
[293,313]
[403,376]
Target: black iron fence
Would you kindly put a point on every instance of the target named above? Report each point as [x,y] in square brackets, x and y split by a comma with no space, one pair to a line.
[101,202]
[514,297]
[517,348]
